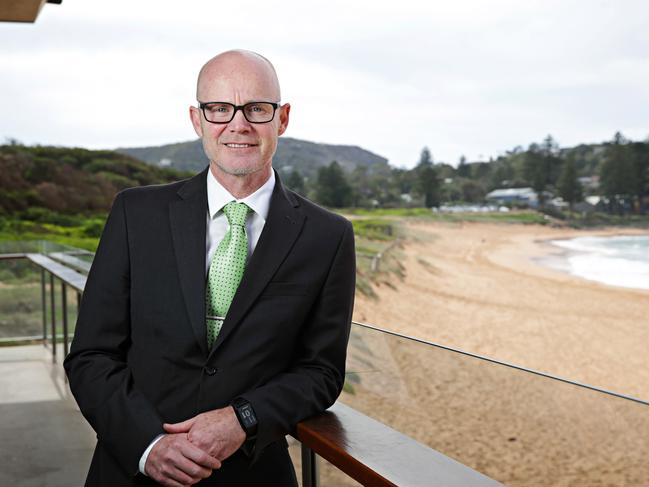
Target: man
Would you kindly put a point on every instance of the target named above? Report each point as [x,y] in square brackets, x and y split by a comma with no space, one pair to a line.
[187,381]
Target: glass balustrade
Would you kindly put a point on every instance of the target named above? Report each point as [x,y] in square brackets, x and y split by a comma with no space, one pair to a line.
[21,303]
[513,425]
[24,287]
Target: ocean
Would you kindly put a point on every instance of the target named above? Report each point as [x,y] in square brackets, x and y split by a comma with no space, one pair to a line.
[617,261]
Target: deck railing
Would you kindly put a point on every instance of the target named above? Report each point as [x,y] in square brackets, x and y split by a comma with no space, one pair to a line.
[417,413]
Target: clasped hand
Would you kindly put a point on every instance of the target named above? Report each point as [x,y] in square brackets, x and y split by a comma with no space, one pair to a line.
[192,449]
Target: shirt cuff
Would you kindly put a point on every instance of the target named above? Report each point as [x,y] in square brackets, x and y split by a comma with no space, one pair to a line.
[145,455]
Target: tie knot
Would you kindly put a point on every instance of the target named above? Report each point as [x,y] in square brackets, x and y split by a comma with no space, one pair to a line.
[236,213]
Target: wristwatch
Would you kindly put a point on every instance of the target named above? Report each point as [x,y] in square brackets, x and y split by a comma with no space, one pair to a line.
[246,416]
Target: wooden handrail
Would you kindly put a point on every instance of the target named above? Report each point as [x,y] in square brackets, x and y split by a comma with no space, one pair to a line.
[376,455]
[16,255]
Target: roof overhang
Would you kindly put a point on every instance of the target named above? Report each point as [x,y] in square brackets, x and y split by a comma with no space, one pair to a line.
[22,10]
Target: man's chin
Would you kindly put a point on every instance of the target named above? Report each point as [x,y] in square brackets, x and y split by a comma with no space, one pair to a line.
[238,170]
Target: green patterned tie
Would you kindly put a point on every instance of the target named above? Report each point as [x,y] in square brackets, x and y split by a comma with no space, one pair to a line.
[226,269]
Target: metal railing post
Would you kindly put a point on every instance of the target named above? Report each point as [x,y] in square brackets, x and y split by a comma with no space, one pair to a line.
[309,467]
[376,260]
[53,318]
[44,305]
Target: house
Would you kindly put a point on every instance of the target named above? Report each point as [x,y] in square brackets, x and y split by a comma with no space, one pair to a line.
[513,196]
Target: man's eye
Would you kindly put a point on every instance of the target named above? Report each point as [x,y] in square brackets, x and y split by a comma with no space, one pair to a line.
[219,108]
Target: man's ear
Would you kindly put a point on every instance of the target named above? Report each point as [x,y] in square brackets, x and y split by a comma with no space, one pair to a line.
[195,117]
[283,118]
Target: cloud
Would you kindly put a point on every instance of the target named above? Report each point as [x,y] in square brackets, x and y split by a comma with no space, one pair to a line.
[467,77]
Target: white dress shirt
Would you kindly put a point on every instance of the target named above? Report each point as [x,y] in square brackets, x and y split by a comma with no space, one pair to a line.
[217,227]
[217,222]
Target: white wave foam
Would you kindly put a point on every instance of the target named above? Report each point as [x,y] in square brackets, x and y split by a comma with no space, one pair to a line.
[617,261]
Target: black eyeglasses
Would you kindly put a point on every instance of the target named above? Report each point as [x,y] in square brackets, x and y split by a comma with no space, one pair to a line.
[254,112]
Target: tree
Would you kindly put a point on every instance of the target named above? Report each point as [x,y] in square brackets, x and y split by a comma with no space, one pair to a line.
[502,173]
[640,161]
[361,192]
[472,192]
[551,160]
[534,170]
[332,188]
[427,183]
[404,180]
[542,165]
[425,157]
[295,181]
[568,185]
[617,174]
[463,169]
[550,146]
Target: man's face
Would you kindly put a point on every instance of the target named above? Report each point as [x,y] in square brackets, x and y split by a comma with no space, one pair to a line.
[239,147]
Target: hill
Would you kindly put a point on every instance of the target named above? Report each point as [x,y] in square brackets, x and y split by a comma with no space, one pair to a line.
[292,154]
[69,180]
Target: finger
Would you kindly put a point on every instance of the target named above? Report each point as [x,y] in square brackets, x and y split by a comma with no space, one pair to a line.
[177,474]
[170,483]
[194,470]
[201,457]
[166,476]
[182,427]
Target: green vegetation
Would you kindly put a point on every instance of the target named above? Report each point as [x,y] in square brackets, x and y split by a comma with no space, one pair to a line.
[617,171]
[589,220]
[427,183]
[332,188]
[389,212]
[64,194]
[568,184]
[524,217]
[373,229]
[519,216]
[377,255]
[74,230]
[67,181]
[351,378]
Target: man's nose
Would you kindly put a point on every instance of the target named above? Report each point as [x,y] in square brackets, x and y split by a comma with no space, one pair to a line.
[239,122]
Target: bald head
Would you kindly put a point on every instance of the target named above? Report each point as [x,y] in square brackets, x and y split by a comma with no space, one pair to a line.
[238,66]
[240,150]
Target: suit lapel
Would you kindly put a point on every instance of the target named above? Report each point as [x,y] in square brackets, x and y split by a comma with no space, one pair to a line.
[188,227]
[282,227]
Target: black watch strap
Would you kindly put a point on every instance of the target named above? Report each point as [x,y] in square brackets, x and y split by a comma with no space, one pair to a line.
[246,416]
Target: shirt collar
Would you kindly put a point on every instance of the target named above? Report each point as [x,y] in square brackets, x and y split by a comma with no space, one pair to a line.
[218,196]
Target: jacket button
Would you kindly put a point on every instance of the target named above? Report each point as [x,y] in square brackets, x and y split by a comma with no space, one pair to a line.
[210,370]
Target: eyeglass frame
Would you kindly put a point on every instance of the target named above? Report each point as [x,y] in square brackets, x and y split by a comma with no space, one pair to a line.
[203,104]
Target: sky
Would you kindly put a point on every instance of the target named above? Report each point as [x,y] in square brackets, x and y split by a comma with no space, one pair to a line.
[467,77]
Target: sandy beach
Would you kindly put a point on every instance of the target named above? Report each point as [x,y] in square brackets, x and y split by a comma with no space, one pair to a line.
[479,288]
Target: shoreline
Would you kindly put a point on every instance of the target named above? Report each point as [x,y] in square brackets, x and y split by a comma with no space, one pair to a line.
[546,255]
[563,261]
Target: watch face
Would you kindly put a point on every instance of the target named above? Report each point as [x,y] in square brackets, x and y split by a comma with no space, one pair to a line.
[247,415]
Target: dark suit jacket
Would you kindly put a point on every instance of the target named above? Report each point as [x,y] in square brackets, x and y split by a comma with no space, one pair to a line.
[139,356]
